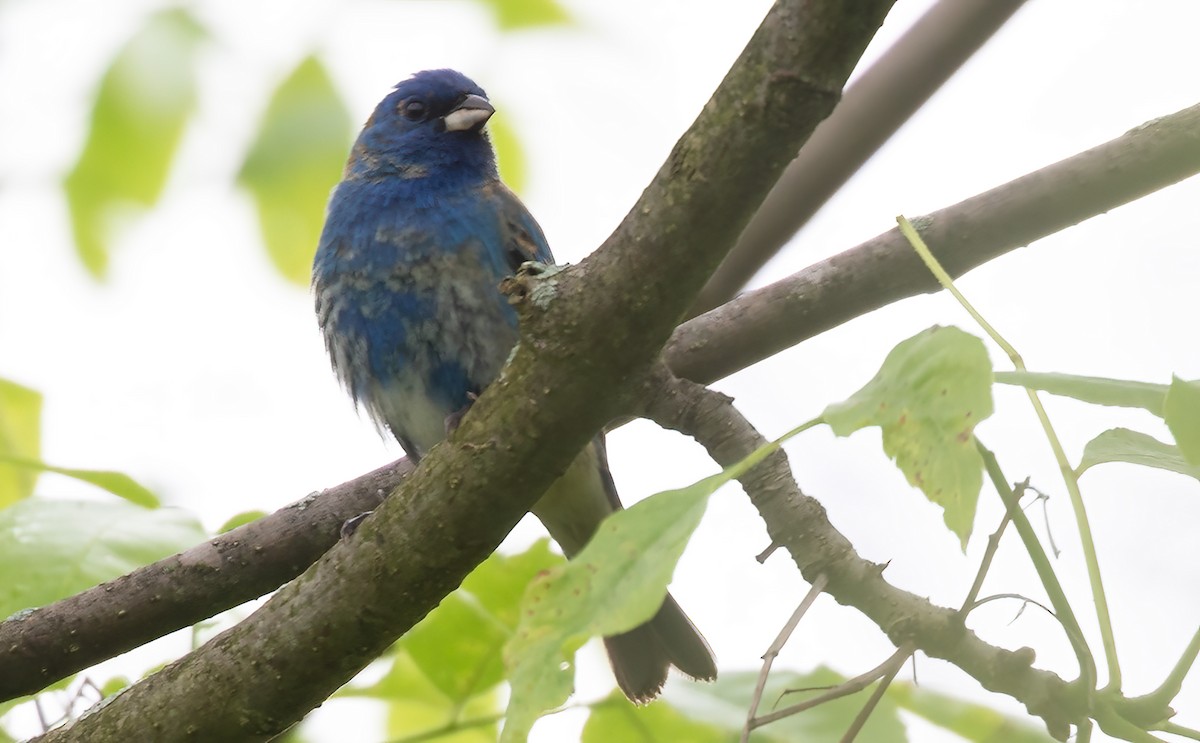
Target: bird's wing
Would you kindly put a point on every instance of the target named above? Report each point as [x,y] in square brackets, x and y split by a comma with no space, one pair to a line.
[522,237]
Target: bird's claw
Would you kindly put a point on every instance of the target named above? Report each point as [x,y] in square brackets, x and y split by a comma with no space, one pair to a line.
[350,525]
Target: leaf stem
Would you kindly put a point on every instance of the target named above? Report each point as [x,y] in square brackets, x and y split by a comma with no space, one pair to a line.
[1169,688]
[1068,473]
[1041,564]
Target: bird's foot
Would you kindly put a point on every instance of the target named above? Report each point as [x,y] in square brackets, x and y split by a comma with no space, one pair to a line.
[456,417]
[350,525]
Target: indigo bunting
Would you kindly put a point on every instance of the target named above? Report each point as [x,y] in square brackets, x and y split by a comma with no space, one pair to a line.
[418,236]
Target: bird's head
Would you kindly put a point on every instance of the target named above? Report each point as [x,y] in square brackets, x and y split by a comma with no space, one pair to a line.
[431,124]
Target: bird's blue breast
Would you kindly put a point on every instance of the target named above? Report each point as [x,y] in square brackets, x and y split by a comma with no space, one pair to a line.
[408,300]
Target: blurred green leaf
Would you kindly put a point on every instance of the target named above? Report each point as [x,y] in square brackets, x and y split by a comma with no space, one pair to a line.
[723,704]
[415,706]
[1181,410]
[500,582]
[930,393]
[117,483]
[115,684]
[618,719]
[459,645]
[54,548]
[240,519]
[974,722]
[296,159]
[445,671]
[460,649]
[1134,447]
[20,437]
[1096,390]
[614,584]
[509,155]
[141,109]
[517,14]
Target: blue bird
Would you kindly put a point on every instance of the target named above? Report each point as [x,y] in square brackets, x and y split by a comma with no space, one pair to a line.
[418,236]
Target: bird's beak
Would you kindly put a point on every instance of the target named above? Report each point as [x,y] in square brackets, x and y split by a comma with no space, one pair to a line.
[470,114]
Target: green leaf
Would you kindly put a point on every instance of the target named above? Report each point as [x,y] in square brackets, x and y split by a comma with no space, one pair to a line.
[1134,447]
[1182,414]
[617,582]
[1096,390]
[21,437]
[930,393]
[296,158]
[459,650]
[459,645]
[240,519]
[723,704]
[416,707]
[617,719]
[114,684]
[972,721]
[509,155]
[52,549]
[117,483]
[499,583]
[512,15]
[141,109]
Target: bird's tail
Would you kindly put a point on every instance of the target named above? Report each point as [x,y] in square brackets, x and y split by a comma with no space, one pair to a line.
[641,657]
[572,509]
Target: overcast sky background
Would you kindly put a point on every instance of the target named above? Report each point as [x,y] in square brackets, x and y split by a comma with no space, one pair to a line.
[199,371]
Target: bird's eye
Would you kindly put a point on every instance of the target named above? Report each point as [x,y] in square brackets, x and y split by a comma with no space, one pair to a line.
[413,110]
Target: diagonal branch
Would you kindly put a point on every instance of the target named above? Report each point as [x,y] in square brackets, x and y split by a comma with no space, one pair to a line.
[885,269]
[44,645]
[873,108]
[48,644]
[798,523]
[584,332]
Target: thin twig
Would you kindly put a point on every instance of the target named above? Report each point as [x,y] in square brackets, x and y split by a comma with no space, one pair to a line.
[865,713]
[989,554]
[844,689]
[773,651]
[1025,600]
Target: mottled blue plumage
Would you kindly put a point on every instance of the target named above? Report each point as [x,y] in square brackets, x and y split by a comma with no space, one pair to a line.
[418,236]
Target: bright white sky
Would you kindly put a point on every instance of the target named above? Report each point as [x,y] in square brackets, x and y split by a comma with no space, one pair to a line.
[201,373]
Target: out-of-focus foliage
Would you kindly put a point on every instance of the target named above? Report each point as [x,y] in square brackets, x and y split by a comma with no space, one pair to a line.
[20,437]
[617,581]
[444,673]
[141,110]
[1181,411]
[512,15]
[723,704]
[972,721]
[509,155]
[297,157]
[117,483]
[20,448]
[1096,390]
[618,719]
[930,393]
[1134,447]
[55,548]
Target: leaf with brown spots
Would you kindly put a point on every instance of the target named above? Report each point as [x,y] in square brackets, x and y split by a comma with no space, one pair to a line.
[930,393]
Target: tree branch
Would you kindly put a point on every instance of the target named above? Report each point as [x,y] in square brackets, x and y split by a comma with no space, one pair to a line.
[584,332]
[885,269]
[873,108]
[42,646]
[799,524]
[45,645]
